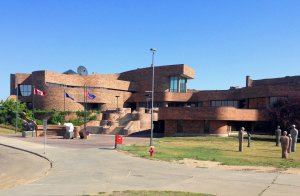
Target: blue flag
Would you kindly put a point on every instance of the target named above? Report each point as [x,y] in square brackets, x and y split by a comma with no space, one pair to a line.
[90,95]
[68,96]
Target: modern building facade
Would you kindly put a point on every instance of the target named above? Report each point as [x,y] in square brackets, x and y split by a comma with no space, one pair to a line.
[180,111]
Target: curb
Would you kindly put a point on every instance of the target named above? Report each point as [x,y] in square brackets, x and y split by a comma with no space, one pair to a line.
[31,152]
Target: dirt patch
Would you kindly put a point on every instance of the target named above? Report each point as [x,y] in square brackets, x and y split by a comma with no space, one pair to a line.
[217,165]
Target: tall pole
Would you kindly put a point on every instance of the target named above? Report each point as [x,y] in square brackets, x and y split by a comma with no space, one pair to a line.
[64,99]
[33,108]
[85,91]
[17,105]
[117,103]
[152,95]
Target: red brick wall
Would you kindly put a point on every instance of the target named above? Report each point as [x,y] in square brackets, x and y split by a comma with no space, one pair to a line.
[218,127]
[143,77]
[194,127]
[170,127]
[212,113]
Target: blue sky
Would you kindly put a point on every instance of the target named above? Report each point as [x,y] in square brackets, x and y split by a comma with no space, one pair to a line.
[223,40]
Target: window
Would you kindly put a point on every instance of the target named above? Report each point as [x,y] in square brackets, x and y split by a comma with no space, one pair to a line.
[274,100]
[174,84]
[25,89]
[218,103]
[182,83]
[178,84]
[257,103]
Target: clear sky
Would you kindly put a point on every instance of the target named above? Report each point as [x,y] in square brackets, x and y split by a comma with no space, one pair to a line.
[223,40]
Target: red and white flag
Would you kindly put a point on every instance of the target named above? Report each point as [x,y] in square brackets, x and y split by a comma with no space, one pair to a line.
[38,92]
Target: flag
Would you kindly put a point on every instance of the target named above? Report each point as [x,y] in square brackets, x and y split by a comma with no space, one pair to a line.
[38,92]
[68,96]
[90,95]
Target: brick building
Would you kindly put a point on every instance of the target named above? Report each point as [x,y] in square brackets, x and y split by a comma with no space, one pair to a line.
[180,111]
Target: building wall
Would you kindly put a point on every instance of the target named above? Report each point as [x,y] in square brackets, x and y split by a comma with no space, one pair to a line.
[130,86]
[143,77]
[195,127]
[212,113]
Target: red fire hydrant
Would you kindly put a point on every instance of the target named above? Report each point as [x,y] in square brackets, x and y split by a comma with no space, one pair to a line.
[151,151]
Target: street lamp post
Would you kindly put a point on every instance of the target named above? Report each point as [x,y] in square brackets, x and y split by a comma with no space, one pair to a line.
[117,103]
[153,50]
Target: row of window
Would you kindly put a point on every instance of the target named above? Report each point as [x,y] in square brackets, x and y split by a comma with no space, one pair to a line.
[216,103]
[219,103]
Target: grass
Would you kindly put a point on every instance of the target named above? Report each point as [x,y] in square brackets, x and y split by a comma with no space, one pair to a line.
[151,193]
[262,152]
[6,131]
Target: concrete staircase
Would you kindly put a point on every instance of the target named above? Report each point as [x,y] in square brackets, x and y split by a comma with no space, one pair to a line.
[120,124]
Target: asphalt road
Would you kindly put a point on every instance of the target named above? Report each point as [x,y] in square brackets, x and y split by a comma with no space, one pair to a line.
[79,171]
[18,167]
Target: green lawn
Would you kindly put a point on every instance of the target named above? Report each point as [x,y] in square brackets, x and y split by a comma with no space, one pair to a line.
[6,131]
[152,193]
[262,152]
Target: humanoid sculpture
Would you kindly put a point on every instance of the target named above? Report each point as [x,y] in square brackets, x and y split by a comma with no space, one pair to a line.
[278,134]
[241,135]
[284,140]
[294,135]
[290,143]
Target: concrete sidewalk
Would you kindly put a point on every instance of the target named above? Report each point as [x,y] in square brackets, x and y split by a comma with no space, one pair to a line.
[92,170]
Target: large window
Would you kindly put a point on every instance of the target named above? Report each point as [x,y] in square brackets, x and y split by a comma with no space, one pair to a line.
[182,83]
[178,84]
[274,100]
[25,89]
[218,103]
[257,103]
[174,84]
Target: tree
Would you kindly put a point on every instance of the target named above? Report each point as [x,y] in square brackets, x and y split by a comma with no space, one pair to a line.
[8,112]
[286,113]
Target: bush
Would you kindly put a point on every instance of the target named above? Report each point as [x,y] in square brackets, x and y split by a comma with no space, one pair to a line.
[77,122]
[8,112]
[57,118]
[92,117]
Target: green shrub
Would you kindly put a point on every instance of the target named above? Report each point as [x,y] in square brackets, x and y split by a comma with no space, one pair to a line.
[92,117]
[57,118]
[8,112]
[77,122]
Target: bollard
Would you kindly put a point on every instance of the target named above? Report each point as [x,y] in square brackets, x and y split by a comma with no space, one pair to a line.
[151,151]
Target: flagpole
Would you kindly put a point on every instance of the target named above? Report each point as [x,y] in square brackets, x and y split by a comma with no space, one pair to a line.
[85,108]
[64,100]
[33,109]
[17,104]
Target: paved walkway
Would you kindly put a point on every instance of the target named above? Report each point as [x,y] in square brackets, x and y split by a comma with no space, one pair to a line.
[18,167]
[78,171]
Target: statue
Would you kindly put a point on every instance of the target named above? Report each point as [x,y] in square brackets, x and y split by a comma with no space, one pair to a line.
[241,135]
[290,143]
[284,140]
[248,138]
[294,134]
[278,134]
